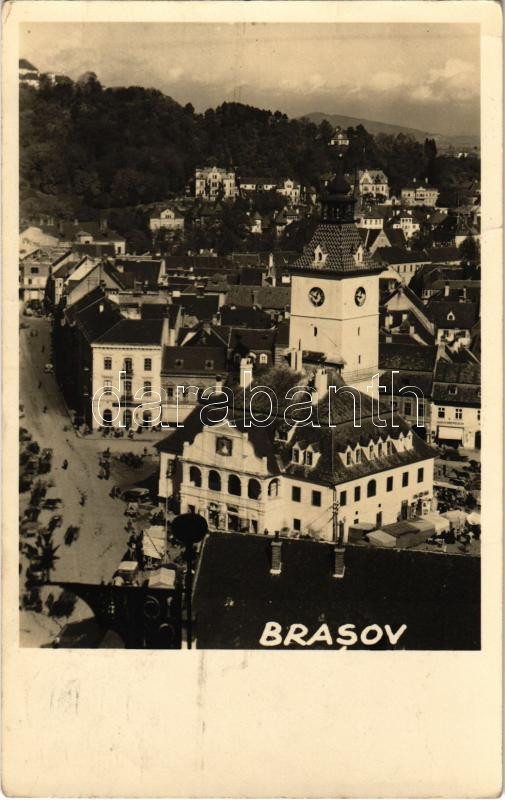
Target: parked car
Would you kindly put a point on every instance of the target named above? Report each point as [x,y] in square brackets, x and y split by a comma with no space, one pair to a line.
[136,495]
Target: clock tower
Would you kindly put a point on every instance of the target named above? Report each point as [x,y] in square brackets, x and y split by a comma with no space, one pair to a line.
[335,293]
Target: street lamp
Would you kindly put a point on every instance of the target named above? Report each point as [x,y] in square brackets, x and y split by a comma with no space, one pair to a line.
[189,529]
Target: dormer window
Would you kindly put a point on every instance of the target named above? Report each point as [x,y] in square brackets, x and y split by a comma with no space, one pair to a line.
[295,455]
[379,450]
[179,362]
[389,448]
[371,452]
[453,390]
[348,458]
[320,255]
[308,458]
[358,455]
[450,317]
[209,364]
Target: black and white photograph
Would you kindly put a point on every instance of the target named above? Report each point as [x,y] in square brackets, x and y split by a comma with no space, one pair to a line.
[250,336]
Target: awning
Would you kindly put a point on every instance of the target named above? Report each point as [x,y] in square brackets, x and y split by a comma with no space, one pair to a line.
[441,524]
[153,542]
[450,432]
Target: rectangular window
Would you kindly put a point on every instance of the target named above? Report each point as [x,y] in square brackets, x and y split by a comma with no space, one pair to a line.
[107,386]
[296,494]
[316,498]
[357,494]
[308,458]
[148,364]
[407,407]
[147,387]
[458,413]
[297,524]
[389,483]
[127,365]
[343,498]
[405,479]
[441,413]
[420,474]
[295,455]
[127,387]
[107,363]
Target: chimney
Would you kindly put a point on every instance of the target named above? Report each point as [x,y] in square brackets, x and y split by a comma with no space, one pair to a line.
[246,366]
[320,385]
[276,562]
[446,289]
[338,561]
[166,332]
[297,359]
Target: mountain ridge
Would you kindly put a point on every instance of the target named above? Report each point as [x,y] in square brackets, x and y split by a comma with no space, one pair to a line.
[374,127]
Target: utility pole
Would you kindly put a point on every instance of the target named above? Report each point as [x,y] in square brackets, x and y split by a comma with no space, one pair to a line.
[335,509]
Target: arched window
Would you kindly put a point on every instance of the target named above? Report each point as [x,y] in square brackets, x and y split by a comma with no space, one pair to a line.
[195,476]
[371,489]
[107,417]
[273,488]
[214,481]
[253,489]
[146,418]
[234,486]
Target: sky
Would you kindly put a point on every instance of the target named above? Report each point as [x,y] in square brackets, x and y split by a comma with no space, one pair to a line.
[416,75]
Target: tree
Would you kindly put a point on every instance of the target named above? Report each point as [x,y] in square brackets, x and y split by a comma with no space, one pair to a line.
[469,250]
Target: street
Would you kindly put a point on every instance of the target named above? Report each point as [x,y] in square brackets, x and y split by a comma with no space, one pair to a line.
[102,539]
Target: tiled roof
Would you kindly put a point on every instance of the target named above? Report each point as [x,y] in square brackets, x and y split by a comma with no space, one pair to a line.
[251,276]
[400,255]
[251,340]
[191,360]
[93,314]
[465,314]
[134,331]
[160,311]
[140,270]
[269,297]
[407,357]
[235,593]
[203,308]
[438,255]
[341,243]
[244,316]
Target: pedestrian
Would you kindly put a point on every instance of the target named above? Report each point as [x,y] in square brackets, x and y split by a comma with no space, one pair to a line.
[40,384]
[43,348]
[44,409]
[65,464]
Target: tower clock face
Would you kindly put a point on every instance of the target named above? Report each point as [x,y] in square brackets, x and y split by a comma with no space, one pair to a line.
[316,296]
[360,296]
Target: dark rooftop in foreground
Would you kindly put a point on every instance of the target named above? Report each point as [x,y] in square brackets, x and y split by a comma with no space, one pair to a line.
[435,595]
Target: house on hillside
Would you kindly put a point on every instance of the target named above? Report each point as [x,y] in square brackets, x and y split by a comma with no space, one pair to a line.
[419,193]
[215,182]
[373,182]
[168,218]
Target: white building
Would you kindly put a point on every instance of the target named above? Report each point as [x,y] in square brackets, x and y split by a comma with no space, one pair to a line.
[335,292]
[419,194]
[132,346]
[213,182]
[168,219]
[455,408]
[257,480]
[373,182]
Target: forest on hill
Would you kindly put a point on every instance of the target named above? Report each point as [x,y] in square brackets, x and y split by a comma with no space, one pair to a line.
[85,148]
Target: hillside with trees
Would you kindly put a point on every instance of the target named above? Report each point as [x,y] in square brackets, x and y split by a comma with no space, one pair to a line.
[85,148]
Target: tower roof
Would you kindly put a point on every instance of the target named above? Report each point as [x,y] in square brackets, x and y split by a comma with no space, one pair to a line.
[341,249]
